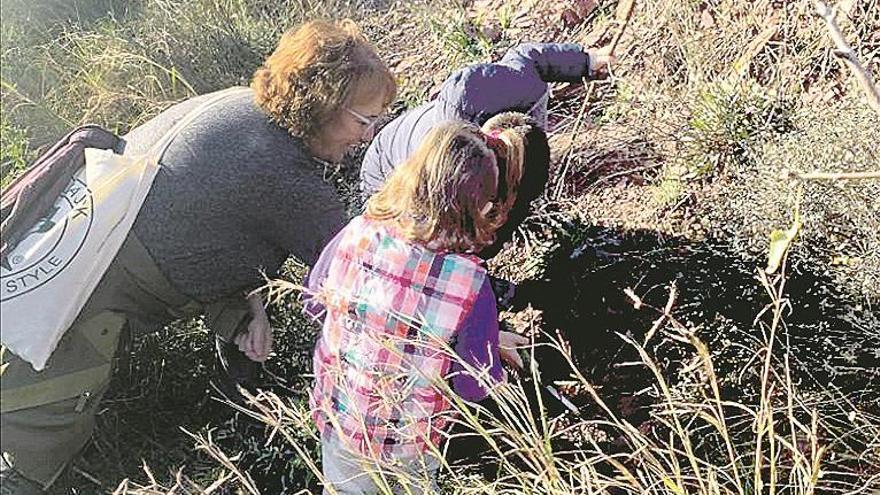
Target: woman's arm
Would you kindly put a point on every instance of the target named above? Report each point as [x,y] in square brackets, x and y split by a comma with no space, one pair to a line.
[312,306]
[256,343]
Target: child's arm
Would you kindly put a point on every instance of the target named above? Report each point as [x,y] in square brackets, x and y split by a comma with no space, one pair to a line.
[477,345]
[553,62]
[312,306]
[508,343]
[559,62]
[475,93]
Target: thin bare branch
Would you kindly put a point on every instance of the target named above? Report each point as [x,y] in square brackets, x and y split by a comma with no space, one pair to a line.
[875,174]
[846,53]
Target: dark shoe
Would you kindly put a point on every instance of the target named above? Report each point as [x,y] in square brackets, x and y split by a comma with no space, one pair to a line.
[235,370]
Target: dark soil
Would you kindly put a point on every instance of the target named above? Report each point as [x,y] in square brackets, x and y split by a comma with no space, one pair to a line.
[832,341]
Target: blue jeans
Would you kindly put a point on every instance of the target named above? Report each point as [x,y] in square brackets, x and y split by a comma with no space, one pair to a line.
[350,473]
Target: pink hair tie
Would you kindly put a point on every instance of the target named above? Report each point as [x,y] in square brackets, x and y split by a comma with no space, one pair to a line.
[493,141]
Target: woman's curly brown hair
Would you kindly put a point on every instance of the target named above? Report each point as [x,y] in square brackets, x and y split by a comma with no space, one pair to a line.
[314,72]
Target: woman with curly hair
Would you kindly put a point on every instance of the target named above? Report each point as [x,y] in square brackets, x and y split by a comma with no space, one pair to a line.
[240,188]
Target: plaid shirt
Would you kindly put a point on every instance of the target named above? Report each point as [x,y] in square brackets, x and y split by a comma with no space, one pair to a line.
[393,309]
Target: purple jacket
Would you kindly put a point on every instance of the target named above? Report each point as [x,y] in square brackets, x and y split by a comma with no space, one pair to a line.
[475,93]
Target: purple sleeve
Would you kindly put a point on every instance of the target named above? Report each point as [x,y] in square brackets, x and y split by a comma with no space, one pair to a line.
[477,345]
[515,83]
[312,307]
[554,62]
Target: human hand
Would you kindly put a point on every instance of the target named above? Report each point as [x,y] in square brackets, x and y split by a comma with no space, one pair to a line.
[601,59]
[507,344]
[256,343]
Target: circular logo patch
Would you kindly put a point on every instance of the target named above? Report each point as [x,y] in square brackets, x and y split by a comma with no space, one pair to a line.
[50,245]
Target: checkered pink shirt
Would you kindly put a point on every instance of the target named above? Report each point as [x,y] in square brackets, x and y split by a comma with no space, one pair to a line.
[393,309]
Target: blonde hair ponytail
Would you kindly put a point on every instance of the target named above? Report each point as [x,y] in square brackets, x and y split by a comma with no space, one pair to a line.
[508,130]
[513,164]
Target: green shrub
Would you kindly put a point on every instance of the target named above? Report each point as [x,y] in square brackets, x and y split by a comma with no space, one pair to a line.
[727,119]
[463,40]
[14,151]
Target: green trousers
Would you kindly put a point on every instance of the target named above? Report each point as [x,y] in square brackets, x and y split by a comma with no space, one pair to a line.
[47,417]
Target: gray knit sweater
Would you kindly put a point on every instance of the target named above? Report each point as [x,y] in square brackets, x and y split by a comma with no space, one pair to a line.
[235,196]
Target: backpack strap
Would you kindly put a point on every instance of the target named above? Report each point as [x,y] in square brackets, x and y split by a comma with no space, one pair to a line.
[27,199]
[103,138]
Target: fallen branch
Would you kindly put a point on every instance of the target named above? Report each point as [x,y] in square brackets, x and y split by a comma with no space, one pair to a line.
[834,175]
[846,53]
[560,183]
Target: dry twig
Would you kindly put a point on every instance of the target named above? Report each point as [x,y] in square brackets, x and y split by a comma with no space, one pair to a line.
[622,16]
[835,175]
[846,53]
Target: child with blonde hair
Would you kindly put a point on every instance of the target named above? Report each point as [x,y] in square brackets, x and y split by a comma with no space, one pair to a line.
[407,307]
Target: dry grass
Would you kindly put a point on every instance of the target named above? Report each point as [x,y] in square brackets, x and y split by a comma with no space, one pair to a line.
[711,103]
[700,441]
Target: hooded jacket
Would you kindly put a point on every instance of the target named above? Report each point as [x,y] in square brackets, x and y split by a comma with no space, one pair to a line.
[474,94]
